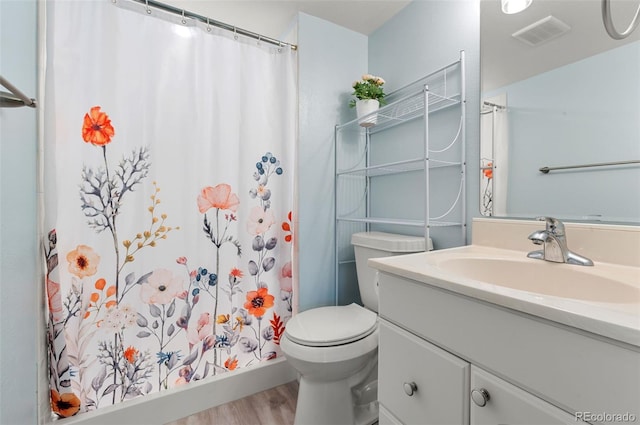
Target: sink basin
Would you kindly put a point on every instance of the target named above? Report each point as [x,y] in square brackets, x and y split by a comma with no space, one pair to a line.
[603,299]
[544,278]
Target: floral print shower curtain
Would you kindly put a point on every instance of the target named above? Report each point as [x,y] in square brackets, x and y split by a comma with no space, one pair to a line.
[168,193]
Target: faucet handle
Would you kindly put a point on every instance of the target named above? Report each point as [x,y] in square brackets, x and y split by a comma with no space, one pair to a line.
[554,225]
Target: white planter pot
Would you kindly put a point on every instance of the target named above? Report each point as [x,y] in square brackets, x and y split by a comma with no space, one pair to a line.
[365,109]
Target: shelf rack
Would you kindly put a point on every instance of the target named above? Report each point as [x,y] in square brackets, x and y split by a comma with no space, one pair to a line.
[421,99]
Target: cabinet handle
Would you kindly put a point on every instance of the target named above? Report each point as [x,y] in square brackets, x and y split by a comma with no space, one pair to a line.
[410,388]
[480,396]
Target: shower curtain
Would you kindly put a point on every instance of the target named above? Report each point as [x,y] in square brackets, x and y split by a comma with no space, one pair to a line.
[168,167]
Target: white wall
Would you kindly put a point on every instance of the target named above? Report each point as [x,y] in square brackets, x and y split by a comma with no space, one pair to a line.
[19,305]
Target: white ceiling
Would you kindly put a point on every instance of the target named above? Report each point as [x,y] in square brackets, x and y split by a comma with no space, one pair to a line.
[506,59]
[273,18]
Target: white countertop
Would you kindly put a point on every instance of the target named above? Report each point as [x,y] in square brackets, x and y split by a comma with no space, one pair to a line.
[616,320]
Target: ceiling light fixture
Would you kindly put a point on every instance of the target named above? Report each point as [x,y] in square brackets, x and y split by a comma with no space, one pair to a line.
[515,6]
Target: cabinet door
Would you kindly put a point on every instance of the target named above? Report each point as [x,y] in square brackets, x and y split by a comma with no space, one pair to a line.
[420,383]
[507,404]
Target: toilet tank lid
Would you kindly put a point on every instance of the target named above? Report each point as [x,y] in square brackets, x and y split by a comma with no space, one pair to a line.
[390,242]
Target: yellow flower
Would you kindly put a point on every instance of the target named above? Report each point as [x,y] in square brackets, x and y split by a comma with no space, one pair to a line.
[239,323]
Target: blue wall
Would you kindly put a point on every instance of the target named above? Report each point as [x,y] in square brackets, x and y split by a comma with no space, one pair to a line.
[19,304]
[330,59]
[423,37]
[569,101]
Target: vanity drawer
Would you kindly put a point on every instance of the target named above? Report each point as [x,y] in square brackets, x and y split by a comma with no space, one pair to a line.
[571,369]
[508,404]
[440,380]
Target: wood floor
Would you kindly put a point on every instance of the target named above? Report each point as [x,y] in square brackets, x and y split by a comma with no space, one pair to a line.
[276,406]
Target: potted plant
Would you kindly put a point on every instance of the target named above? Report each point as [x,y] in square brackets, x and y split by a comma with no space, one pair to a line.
[370,96]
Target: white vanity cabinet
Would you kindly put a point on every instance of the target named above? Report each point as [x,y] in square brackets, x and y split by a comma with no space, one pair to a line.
[420,383]
[458,351]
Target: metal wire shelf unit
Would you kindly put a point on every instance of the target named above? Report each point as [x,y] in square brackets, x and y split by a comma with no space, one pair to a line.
[430,222]
[421,99]
[400,222]
[396,167]
[403,110]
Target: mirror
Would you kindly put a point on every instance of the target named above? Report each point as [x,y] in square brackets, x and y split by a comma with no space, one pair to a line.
[557,91]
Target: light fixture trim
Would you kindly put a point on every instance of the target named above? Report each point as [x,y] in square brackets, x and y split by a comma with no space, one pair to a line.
[514,6]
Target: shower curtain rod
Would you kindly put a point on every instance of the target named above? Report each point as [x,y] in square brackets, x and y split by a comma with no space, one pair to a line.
[490,108]
[492,105]
[14,99]
[212,22]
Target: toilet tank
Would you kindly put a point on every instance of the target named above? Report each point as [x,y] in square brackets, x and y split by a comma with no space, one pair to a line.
[375,245]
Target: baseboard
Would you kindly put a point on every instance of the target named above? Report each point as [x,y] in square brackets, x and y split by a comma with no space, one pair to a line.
[173,404]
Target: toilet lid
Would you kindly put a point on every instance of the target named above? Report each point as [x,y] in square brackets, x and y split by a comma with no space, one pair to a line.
[329,326]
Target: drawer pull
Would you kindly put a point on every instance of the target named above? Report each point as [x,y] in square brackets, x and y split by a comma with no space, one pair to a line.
[480,396]
[410,388]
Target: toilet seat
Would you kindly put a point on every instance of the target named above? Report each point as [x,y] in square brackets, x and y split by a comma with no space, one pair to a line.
[331,326]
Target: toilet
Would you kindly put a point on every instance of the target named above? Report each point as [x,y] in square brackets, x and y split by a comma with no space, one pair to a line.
[335,348]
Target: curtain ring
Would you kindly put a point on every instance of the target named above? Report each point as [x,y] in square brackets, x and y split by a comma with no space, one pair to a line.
[235,34]
[146,2]
[280,48]
[259,39]
[208,26]
[184,21]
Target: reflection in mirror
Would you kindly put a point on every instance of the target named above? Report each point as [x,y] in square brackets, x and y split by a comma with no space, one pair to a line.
[558,91]
[494,155]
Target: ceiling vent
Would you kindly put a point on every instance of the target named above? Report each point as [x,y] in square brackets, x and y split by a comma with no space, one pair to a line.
[542,31]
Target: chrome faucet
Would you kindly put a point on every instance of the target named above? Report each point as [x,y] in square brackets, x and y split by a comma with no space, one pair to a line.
[554,244]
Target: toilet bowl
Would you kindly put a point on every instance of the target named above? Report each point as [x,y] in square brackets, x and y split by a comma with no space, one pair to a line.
[331,369]
[335,348]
